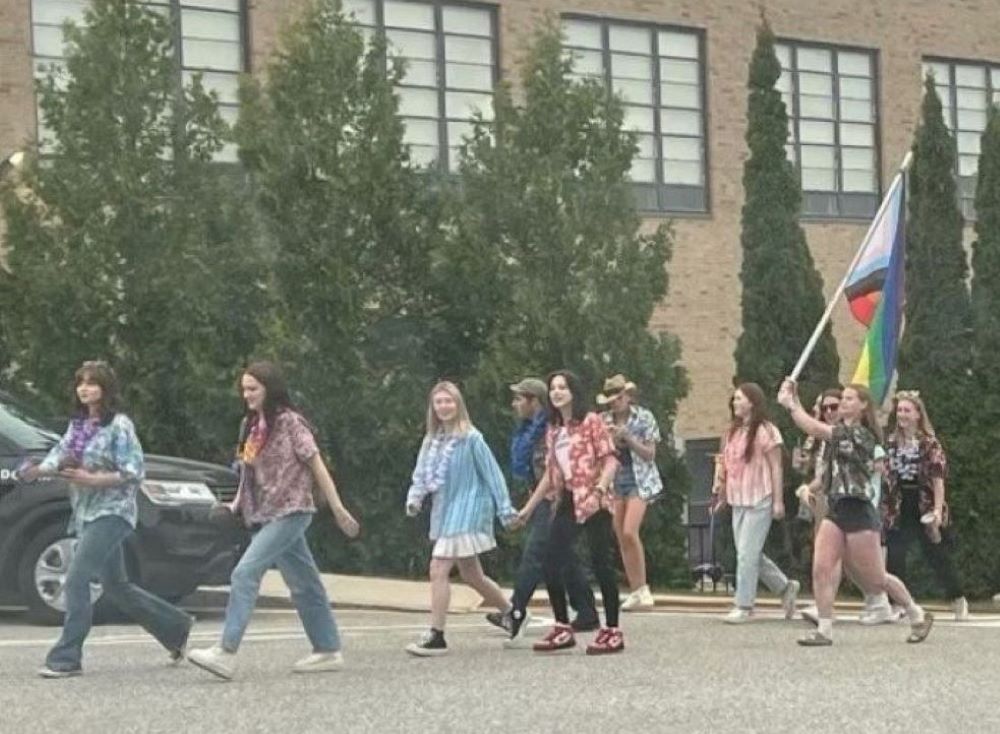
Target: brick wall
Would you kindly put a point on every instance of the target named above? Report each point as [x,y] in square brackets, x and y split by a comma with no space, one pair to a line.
[703,306]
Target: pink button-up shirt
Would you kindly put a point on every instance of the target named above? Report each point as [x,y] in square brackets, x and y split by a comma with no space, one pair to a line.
[748,483]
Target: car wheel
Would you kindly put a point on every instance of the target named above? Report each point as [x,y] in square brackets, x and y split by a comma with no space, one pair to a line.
[42,573]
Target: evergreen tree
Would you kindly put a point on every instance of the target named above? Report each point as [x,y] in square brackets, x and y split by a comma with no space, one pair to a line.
[132,246]
[782,298]
[352,223]
[936,348]
[554,272]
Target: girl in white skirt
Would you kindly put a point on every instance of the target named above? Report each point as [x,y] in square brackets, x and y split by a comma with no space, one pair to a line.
[457,470]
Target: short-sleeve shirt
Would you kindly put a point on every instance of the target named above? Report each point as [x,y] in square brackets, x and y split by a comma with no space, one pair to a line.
[850,463]
[749,482]
[279,481]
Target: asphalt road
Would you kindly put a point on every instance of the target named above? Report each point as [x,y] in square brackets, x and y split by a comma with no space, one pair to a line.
[680,673]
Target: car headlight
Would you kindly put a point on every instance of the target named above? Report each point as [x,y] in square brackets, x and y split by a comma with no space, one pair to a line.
[178,493]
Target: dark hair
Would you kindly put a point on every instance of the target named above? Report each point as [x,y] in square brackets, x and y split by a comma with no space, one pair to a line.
[575,385]
[832,392]
[101,374]
[276,397]
[758,415]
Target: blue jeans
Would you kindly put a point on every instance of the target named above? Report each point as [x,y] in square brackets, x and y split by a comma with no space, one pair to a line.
[750,528]
[99,556]
[281,542]
[531,571]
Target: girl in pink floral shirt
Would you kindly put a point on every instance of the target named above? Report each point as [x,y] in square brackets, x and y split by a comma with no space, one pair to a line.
[579,469]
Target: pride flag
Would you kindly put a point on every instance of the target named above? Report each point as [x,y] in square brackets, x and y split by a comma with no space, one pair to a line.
[874,291]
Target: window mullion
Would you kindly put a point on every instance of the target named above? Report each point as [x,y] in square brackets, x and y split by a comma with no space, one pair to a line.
[658,153]
[838,158]
[442,86]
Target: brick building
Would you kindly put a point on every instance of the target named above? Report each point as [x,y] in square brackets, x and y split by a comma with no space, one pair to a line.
[853,71]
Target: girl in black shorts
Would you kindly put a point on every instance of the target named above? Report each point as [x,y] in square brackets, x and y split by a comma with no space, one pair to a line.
[851,530]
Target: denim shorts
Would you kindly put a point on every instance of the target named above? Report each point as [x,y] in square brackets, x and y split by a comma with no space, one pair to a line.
[627,491]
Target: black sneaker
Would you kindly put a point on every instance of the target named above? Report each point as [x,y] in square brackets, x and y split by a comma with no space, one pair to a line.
[500,619]
[518,625]
[585,625]
[431,645]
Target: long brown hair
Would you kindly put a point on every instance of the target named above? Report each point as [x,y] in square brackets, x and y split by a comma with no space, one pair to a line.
[758,415]
[100,374]
[869,419]
[924,426]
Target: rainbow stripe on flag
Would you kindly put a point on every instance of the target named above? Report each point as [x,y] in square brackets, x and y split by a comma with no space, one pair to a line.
[874,291]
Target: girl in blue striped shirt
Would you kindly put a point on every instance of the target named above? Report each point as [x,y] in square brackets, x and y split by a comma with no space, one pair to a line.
[458,471]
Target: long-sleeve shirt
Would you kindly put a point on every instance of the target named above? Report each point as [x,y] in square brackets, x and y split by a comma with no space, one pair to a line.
[473,494]
[113,448]
[527,449]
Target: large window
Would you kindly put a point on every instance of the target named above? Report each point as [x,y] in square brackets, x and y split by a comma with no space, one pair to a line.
[966,90]
[450,50]
[210,40]
[659,74]
[830,95]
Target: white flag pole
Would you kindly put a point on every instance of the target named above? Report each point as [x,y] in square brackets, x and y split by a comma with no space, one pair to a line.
[811,344]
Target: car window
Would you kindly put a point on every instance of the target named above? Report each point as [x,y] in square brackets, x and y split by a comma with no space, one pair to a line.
[23,431]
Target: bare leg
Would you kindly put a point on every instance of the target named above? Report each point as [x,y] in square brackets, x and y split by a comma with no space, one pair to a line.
[865,554]
[440,571]
[471,571]
[629,514]
[827,567]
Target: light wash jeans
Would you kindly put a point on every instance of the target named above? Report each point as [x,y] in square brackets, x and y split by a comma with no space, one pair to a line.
[750,528]
[281,543]
[99,556]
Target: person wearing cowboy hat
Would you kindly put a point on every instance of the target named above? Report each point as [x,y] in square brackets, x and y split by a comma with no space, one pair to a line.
[637,481]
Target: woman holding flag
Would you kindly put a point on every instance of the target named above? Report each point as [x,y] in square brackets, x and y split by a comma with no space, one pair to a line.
[851,530]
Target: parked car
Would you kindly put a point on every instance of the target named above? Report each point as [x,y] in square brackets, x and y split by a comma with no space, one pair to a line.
[176,547]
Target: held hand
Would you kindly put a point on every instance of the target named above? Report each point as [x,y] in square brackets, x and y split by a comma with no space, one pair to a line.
[346,522]
[804,493]
[788,394]
[718,503]
[412,509]
[28,471]
[778,510]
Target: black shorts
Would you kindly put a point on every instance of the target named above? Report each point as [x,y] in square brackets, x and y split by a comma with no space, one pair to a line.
[853,514]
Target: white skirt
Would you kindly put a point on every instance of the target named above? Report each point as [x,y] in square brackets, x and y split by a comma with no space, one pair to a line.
[465,545]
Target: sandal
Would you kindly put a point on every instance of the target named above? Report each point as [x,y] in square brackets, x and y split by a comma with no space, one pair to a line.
[815,639]
[920,630]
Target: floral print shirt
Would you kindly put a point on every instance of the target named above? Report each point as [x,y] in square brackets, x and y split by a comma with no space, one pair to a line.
[277,480]
[113,447]
[850,463]
[642,425]
[589,450]
[912,465]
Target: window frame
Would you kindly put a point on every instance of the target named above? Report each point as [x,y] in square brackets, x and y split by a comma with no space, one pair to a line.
[951,122]
[441,87]
[837,196]
[174,13]
[659,187]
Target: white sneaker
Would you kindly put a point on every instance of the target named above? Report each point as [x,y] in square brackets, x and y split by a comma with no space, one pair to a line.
[319,662]
[788,598]
[811,615]
[737,615]
[881,614]
[961,609]
[641,598]
[215,660]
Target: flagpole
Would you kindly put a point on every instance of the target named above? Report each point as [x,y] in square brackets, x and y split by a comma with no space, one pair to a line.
[828,313]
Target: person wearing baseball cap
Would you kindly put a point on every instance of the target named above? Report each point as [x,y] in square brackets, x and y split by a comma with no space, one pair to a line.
[527,465]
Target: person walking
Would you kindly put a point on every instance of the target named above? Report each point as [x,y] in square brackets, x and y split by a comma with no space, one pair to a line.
[580,466]
[527,465]
[850,532]
[637,483]
[101,458]
[457,470]
[749,479]
[915,505]
[279,464]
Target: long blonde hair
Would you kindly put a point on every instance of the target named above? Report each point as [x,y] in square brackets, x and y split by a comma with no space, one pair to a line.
[463,424]
[924,427]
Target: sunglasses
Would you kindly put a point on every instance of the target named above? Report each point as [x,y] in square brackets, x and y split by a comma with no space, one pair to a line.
[831,406]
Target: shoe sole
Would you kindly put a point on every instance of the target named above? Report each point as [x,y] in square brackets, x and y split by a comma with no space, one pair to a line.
[811,643]
[217,672]
[56,674]
[915,637]
[555,650]
[598,652]
[419,652]
[330,668]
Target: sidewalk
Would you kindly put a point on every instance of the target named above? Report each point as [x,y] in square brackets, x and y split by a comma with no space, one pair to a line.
[367,592]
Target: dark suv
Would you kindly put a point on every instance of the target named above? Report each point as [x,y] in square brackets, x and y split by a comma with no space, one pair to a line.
[175,549]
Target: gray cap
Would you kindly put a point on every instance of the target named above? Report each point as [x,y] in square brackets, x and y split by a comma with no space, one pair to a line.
[531,387]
